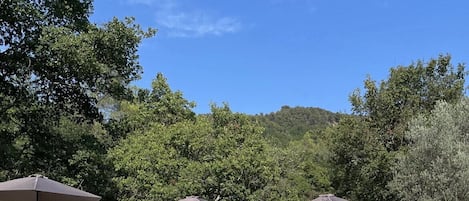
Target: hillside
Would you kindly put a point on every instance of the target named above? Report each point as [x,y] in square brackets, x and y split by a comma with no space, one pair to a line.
[291,123]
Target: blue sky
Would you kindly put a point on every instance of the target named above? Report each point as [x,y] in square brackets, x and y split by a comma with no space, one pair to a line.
[258,55]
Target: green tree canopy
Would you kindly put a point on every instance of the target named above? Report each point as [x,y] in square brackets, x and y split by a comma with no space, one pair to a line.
[219,155]
[360,164]
[435,165]
[55,67]
[291,123]
[365,148]
[160,105]
[54,53]
[304,166]
[409,90]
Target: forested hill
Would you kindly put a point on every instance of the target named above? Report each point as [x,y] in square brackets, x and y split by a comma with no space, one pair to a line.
[291,123]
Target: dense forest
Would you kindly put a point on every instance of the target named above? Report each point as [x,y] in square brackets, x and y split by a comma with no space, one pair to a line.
[291,123]
[68,111]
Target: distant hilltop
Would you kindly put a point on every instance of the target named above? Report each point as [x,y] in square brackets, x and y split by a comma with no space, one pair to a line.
[291,123]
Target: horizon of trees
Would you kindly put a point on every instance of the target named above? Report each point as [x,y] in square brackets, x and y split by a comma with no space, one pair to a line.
[68,111]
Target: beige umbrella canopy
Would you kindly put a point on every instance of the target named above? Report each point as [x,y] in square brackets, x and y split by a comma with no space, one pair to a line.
[328,197]
[40,188]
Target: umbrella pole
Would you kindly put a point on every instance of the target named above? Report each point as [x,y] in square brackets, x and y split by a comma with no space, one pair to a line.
[37,195]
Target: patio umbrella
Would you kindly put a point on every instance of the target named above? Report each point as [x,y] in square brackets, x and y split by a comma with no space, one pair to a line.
[40,188]
[328,197]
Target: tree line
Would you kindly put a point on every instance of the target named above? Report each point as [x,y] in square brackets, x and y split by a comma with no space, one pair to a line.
[68,111]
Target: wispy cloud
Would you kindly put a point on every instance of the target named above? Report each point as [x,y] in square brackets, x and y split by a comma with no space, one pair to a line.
[175,20]
[197,24]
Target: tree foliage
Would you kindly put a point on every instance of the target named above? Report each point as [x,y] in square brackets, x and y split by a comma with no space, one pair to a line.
[436,165]
[54,53]
[360,164]
[160,105]
[365,148]
[55,67]
[304,166]
[408,91]
[67,111]
[220,155]
[291,123]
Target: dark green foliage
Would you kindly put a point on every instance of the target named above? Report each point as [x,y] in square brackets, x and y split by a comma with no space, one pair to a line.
[365,149]
[53,52]
[75,71]
[160,105]
[55,67]
[436,165]
[21,29]
[303,156]
[409,90]
[291,123]
[21,114]
[304,165]
[360,164]
[220,155]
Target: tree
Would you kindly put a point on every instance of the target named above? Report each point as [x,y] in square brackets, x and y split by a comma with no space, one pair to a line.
[20,30]
[435,165]
[55,67]
[291,123]
[53,52]
[360,164]
[304,165]
[220,155]
[80,154]
[408,91]
[159,105]
[371,143]
[163,105]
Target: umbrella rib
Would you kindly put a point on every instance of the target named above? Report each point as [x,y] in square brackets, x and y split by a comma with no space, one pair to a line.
[35,183]
[35,188]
